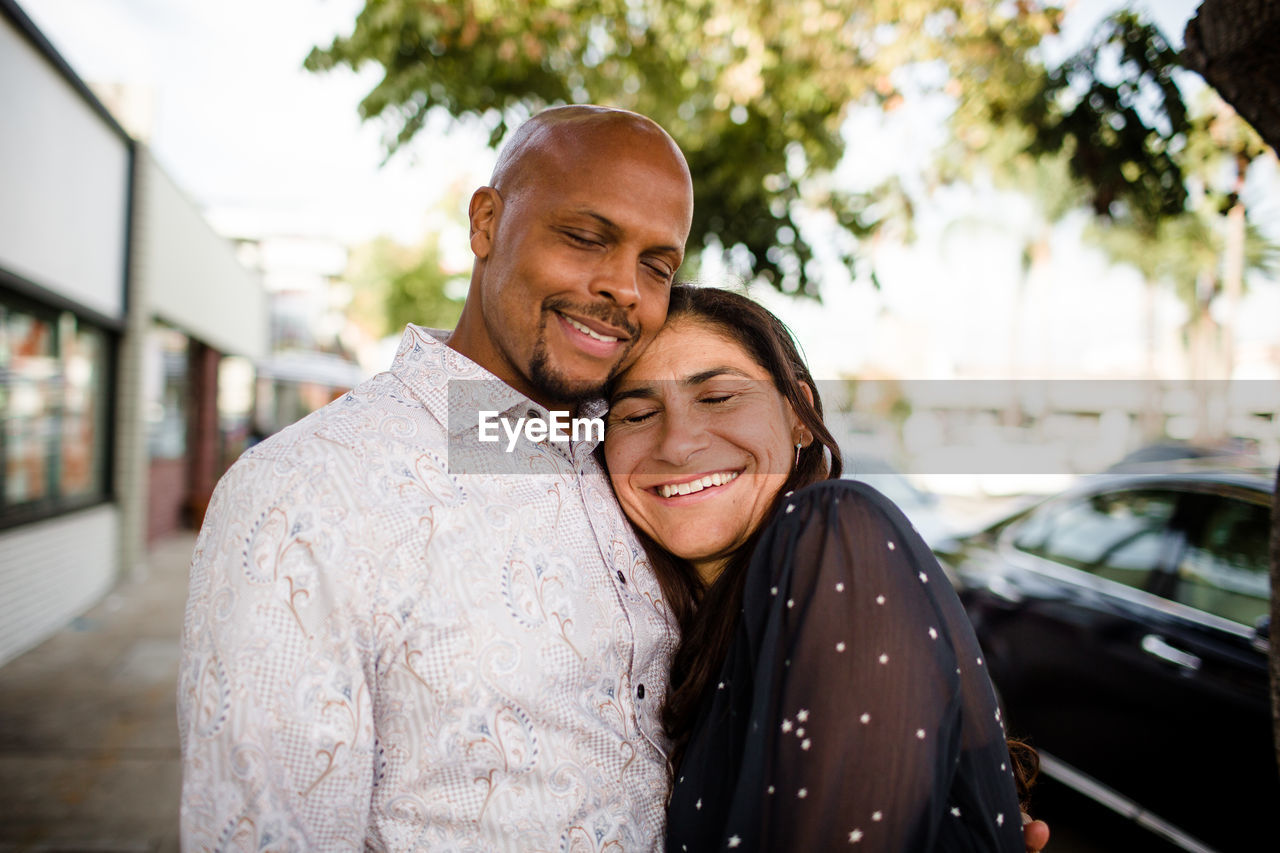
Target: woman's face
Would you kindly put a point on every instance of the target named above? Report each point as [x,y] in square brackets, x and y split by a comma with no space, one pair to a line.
[698,443]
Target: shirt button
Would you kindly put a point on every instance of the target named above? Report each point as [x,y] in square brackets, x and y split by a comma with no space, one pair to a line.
[640,692]
[621,578]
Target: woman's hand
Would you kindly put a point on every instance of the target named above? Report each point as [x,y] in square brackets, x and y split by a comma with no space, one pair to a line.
[1035,833]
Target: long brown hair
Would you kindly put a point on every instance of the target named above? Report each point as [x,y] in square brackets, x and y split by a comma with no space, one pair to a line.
[708,615]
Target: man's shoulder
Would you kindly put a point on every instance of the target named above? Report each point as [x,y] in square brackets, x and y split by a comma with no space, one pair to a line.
[375,434]
[380,411]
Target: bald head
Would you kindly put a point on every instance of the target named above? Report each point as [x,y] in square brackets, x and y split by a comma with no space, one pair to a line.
[550,143]
[577,240]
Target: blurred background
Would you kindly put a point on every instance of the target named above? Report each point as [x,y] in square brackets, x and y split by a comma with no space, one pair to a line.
[1019,243]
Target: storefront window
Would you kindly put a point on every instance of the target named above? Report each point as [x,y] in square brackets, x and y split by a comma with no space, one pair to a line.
[53,369]
[167,392]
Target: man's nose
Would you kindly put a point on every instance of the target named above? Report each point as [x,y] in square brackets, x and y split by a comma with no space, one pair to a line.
[617,279]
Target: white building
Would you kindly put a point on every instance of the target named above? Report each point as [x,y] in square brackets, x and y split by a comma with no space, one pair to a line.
[117,304]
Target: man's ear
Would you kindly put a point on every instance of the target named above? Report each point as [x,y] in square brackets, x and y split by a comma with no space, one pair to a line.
[483,213]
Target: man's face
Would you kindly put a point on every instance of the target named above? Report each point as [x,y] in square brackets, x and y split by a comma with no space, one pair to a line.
[576,278]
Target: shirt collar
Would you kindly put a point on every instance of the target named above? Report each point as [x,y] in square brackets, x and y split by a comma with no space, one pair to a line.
[454,389]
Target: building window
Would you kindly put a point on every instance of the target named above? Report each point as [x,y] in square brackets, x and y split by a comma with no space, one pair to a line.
[166,392]
[53,406]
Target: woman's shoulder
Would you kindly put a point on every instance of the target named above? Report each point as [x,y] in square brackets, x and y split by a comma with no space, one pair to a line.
[837,498]
[811,519]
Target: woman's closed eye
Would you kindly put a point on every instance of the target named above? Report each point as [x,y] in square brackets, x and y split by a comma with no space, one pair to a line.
[628,415]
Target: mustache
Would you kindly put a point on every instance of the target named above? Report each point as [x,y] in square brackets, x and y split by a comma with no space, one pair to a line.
[605,312]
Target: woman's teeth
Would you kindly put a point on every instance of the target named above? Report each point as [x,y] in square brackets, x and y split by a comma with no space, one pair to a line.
[588,332]
[692,486]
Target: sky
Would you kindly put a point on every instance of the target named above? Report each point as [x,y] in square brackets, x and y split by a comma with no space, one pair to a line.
[255,140]
[264,147]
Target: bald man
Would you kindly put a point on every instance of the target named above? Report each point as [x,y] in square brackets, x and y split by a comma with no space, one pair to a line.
[401,635]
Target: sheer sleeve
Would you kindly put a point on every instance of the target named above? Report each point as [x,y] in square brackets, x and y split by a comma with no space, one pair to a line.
[871,720]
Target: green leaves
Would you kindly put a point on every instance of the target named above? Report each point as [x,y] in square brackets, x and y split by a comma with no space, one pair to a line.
[1115,109]
[754,92]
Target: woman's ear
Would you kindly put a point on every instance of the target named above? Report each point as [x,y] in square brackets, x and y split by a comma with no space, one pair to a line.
[803,436]
[807,391]
[483,213]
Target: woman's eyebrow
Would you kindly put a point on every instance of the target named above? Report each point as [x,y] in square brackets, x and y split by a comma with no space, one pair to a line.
[706,375]
[644,392]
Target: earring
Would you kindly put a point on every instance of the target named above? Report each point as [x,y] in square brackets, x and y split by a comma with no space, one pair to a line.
[798,446]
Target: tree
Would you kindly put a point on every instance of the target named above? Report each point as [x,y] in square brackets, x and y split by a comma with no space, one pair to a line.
[755,92]
[396,285]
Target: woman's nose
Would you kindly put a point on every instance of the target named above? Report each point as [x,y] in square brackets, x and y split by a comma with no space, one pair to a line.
[682,437]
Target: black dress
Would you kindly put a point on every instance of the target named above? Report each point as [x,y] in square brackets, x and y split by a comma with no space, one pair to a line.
[853,711]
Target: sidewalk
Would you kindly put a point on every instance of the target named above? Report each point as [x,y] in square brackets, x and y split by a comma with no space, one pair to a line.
[88,737]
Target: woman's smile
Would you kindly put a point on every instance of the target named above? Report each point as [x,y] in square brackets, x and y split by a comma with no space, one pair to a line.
[710,483]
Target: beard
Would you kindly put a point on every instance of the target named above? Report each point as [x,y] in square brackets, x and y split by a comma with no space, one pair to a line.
[550,382]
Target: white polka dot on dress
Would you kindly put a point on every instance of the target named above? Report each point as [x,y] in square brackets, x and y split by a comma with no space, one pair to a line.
[855,836]
[840,587]
[924,578]
[804,744]
[786,726]
[920,734]
[802,793]
[864,719]
[877,816]
[891,546]
[840,646]
[735,841]
[879,599]
[1000,819]
[933,633]
[955,810]
[884,658]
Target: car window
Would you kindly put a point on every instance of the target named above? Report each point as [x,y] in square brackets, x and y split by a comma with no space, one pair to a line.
[1224,568]
[1116,535]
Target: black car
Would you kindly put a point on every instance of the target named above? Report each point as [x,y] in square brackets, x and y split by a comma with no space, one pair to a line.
[1125,626]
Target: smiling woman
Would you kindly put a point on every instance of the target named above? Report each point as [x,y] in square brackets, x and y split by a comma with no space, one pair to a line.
[828,689]
[700,446]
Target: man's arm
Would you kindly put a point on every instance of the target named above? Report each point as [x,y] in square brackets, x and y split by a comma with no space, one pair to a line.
[274,707]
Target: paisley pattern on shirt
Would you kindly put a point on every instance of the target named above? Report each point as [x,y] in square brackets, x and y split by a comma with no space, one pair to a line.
[381,652]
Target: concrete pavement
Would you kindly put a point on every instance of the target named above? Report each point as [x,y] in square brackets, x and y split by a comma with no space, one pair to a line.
[89,756]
